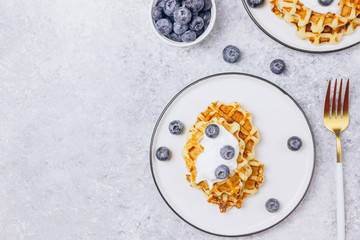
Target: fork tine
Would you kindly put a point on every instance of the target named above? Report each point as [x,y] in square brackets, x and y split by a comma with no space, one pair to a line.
[327,102]
[339,101]
[346,101]
[334,102]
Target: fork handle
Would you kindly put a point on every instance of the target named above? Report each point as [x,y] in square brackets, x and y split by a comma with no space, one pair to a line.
[340,202]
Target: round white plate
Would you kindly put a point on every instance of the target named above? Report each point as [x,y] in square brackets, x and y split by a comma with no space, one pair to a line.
[287,173]
[284,33]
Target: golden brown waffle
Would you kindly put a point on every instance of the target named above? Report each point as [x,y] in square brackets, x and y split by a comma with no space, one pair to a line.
[247,178]
[319,28]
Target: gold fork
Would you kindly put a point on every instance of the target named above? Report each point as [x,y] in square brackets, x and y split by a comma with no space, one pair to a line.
[338,123]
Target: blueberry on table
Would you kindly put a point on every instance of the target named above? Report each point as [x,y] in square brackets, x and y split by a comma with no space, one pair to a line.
[176,127]
[294,143]
[272,205]
[227,152]
[255,3]
[188,36]
[277,66]
[180,28]
[182,15]
[212,130]
[163,26]
[222,172]
[157,13]
[162,153]
[207,5]
[325,2]
[171,6]
[231,54]
[194,5]
[196,24]
[175,37]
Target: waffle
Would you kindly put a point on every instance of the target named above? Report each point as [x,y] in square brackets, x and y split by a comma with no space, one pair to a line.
[319,28]
[248,176]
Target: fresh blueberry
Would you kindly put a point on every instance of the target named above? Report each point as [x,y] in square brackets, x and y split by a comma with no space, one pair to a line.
[196,24]
[180,28]
[157,13]
[294,143]
[182,15]
[199,33]
[194,5]
[255,3]
[277,66]
[227,152]
[175,37]
[161,3]
[231,54]
[188,36]
[162,153]
[176,127]
[207,5]
[206,16]
[171,6]
[212,130]
[272,205]
[325,2]
[163,26]
[222,172]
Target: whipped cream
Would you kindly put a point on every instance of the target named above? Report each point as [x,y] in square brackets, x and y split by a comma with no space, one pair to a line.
[210,158]
[317,7]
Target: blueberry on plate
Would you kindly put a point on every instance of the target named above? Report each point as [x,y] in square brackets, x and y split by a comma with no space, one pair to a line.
[227,152]
[255,3]
[157,13]
[222,172]
[277,66]
[207,5]
[171,6]
[175,37]
[212,130]
[188,36]
[180,28]
[163,26]
[194,5]
[182,15]
[206,16]
[325,2]
[162,153]
[272,205]
[294,143]
[176,127]
[231,54]
[196,23]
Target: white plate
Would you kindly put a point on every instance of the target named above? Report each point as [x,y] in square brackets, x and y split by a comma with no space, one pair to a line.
[284,33]
[287,174]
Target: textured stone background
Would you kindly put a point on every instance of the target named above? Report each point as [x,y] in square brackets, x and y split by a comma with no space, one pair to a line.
[82,84]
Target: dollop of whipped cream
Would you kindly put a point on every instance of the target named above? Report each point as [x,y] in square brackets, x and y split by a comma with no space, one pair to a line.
[317,7]
[210,158]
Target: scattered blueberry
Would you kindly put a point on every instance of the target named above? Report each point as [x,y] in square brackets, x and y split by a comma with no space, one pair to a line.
[188,36]
[227,152]
[161,3]
[196,24]
[212,130]
[277,66]
[182,15]
[171,6]
[157,13]
[207,5]
[272,205]
[176,127]
[294,143]
[163,26]
[222,172]
[206,16]
[175,37]
[325,2]
[194,5]
[162,153]
[231,54]
[255,3]
[180,28]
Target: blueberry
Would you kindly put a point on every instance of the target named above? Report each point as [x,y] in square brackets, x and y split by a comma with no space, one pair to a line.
[161,4]
[176,127]
[212,130]
[199,33]
[206,16]
[180,28]
[157,13]
[194,5]
[227,152]
[182,15]
[231,54]
[255,3]
[325,2]
[163,26]
[222,172]
[188,36]
[207,5]
[171,6]
[196,24]
[175,37]
[272,205]
[162,153]
[277,66]
[294,143]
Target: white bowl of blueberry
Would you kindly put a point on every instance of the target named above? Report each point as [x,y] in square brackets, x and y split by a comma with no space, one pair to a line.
[183,22]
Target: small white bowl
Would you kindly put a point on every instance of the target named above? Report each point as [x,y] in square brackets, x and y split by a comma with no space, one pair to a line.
[185,44]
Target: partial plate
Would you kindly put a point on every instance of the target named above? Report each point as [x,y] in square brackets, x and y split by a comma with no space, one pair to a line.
[287,173]
[285,33]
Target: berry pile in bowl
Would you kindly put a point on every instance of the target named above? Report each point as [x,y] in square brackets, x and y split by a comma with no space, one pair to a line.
[183,22]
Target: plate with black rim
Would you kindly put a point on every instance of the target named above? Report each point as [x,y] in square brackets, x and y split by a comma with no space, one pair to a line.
[287,173]
[285,33]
